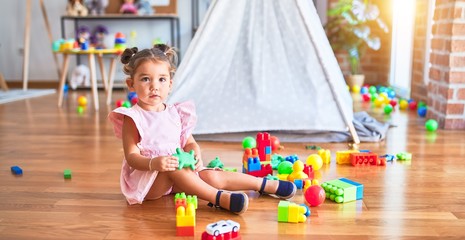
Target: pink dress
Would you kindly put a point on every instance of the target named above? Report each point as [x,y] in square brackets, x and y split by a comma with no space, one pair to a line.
[160,134]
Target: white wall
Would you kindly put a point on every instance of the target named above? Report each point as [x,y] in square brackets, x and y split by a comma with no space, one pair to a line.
[41,63]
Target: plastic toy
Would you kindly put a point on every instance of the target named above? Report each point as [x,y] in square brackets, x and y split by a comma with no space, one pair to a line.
[340,191]
[126,104]
[185,220]
[230,169]
[308,212]
[120,41]
[264,146]
[343,157]
[388,109]
[76,8]
[422,111]
[315,161]
[215,163]
[249,142]
[356,88]
[292,158]
[96,6]
[297,172]
[325,155]
[67,174]
[185,159]
[276,159]
[358,185]
[275,144]
[222,229]
[98,37]
[404,156]
[285,167]
[364,90]
[365,158]
[314,196]
[80,109]
[291,212]
[431,125]
[312,147]
[16,170]
[82,100]
[412,105]
[372,89]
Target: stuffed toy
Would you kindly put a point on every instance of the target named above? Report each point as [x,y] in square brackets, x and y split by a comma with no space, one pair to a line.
[128,7]
[76,8]
[145,8]
[98,37]
[80,77]
[96,7]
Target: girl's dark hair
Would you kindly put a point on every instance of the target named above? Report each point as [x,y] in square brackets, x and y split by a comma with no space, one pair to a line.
[132,58]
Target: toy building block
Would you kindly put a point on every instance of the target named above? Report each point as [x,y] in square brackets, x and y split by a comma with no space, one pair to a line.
[253,164]
[215,163]
[388,157]
[185,220]
[291,212]
[180,199]
[312,147]
[185,159]
[343,157]
[358,185]
[292,158]
[271,177]
[357,159]
[222,230]
[264,146]
[230,169]
[364,151]
[309,171]
[249,153]
[276,159]
[67,173]
[263,172]
[299,183]
[325,155]
[404,156]
[340,191]
[16,170]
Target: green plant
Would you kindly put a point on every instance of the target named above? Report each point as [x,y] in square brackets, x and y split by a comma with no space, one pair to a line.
[349,28]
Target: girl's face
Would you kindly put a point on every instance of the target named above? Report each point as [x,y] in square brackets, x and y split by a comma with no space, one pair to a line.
[152,83]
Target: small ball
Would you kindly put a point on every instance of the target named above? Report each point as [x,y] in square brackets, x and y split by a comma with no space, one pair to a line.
[131,95]
[119,103]
[249,142]
[315,161]
[388,109]
[82,101]
[372,89]
[431,125]
[403,104]
[285,167]
[355,88]
[126,104]
[422,111]
[315,196]
[412,105]
[275,143]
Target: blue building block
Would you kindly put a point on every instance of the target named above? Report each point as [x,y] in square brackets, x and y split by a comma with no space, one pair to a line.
[298,183]
[268,150]
[16,170]
[253,164]
[292,158]
[358,185]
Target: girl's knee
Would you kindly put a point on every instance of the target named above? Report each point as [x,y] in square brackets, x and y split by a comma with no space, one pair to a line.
[211,177]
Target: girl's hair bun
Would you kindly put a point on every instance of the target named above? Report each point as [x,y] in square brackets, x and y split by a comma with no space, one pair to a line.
[127,54]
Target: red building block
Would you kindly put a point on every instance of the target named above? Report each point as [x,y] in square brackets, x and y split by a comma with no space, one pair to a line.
[266,169]
[264,146]
[185,231]
[226,236]
[364,158]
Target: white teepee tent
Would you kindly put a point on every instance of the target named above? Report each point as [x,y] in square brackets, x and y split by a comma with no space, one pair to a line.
[261,65]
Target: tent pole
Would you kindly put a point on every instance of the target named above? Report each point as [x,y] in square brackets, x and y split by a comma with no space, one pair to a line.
[349,123]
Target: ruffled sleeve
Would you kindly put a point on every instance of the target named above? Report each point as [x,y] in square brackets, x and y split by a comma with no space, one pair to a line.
[116,117]
[186,111]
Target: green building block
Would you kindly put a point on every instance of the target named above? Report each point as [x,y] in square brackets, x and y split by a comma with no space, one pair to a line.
[67,174]
[180,195]
[404,156]
[185,159]
[283,211]
[339,191]
[192,199]
[276,159]
[215,163]
[230,169]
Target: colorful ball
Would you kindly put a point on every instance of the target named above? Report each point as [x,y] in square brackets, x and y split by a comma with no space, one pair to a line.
[134,100]
[80,109]
[315,196]
[364,90]
[412,105]
[366,97]
[422,111]
[431,125]
[126,104]
[119,102]
[249,142]
[403,104]
[131,95]
[388,109]
[82,101]
[315,161]
[393,103]
[372,89]
[355,88]
[285,167]
[379,101]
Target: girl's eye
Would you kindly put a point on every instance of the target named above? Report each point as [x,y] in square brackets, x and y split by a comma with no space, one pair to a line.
[145,79]
[162,79]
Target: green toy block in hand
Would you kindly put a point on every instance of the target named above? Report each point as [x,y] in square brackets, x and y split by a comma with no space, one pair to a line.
[185,159]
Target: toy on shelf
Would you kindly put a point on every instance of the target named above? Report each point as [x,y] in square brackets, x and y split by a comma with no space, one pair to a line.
[83,37]
[16,170]
[185,159]
[96,7]
[98,37]
[80,77]
[144,8]
[128,7]
[120,41]
[223,229]
[76,8]
[314,196]
[291,212]
[185,214]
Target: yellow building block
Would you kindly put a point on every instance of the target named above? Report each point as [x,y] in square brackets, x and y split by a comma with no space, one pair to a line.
[296,213]
[325,155]
[185,217]
[343,157]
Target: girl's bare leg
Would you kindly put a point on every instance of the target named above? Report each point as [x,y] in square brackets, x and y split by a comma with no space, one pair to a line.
[187,181]
[234,181]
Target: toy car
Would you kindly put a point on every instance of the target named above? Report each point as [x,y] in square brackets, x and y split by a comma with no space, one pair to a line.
[222,227]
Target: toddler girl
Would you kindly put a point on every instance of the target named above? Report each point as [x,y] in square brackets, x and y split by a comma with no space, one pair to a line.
[151,131]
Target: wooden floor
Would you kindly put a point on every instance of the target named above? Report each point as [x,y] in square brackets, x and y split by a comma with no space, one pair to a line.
[421,199]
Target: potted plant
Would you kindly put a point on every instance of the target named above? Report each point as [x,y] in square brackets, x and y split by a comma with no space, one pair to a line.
[349,29]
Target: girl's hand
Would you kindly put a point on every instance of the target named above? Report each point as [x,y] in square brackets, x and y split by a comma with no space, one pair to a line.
[165,163]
